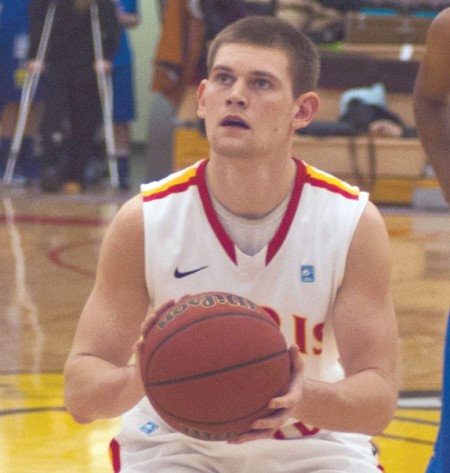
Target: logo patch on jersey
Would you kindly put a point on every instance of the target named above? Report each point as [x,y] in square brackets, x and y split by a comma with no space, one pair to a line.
[149,427]
[182,274]
[307,273]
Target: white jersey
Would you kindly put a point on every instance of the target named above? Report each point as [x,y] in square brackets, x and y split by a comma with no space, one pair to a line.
[296,276]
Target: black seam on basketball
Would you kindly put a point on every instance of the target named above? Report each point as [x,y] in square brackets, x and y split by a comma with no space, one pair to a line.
[202,422]
[217,371]
[211,423]
[269,322]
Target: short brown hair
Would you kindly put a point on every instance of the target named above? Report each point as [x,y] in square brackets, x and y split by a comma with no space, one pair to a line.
[266,31]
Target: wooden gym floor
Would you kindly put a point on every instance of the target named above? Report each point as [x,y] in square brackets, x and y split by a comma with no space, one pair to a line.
[48,250]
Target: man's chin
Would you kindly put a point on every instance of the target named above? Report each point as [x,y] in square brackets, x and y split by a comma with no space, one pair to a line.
[233,151]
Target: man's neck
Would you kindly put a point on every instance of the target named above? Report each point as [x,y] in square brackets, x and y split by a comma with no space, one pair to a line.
[247,190]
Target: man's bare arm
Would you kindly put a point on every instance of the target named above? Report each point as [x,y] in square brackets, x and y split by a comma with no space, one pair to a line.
[432,99]
[99,381]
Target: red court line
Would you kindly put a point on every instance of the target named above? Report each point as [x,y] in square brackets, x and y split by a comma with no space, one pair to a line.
[55,256]
[53,220]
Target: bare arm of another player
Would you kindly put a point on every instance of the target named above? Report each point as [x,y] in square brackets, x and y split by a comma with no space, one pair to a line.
[432,99]
[99,382]
[366,332]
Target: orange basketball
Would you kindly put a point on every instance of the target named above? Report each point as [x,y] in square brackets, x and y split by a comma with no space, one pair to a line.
[211,364]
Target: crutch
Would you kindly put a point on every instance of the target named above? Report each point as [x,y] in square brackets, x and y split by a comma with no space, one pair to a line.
[105,90]
[28,92]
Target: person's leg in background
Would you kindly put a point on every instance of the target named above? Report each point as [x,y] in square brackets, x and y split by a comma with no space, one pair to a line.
[128,15]
[54,131]
[124,113]
[84,117]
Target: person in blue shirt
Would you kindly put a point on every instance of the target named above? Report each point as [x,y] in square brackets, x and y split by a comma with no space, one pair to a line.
[123,88]
[14,43]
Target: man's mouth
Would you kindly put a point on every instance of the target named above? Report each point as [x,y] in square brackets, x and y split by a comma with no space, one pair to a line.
[234,122]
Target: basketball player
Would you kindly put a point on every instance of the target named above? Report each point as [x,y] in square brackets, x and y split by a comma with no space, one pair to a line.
[255,221]
[432,112]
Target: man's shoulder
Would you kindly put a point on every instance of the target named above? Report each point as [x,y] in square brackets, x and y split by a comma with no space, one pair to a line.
[131,209]
[174,183]
[326,182]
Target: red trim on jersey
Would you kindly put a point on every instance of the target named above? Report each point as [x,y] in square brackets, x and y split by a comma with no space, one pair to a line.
[337,190]
[283,229]
[302,177]
[114,451]
[213,219]
[332,184]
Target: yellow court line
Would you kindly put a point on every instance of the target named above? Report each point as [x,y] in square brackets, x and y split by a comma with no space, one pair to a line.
[36,434]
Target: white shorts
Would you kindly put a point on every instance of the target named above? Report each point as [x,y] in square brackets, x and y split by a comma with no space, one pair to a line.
[146,444]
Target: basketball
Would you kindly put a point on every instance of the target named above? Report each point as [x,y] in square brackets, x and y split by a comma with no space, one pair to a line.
[212,362]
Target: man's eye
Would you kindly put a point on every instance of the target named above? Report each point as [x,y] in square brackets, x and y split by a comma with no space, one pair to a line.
[261,83]
[222,77]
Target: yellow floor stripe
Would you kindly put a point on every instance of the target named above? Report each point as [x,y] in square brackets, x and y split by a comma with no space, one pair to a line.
[37,435]
[407,444]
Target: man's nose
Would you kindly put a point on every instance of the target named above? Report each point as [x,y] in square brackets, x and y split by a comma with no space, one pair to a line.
[237,95]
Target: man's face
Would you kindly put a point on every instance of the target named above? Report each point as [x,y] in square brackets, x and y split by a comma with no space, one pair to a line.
[247,101]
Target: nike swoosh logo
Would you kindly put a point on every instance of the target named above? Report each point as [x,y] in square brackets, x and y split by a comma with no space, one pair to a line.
[180,274]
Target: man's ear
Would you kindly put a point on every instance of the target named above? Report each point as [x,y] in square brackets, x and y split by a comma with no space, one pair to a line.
[201,99]
[307,105]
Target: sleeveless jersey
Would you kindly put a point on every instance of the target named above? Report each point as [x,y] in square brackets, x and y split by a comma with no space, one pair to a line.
[296,276]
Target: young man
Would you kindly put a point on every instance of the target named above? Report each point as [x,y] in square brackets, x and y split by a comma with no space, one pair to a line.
[432,111]
[267,226]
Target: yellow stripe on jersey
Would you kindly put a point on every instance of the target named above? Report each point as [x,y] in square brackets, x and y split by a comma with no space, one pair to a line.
[178,182]
[331,182]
